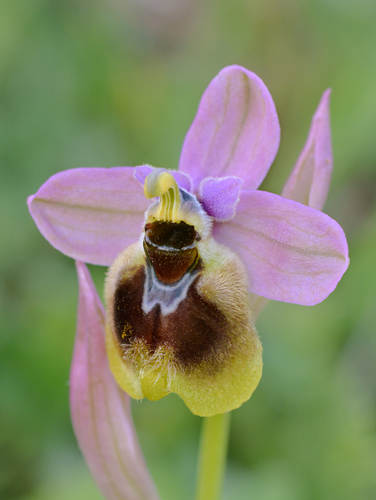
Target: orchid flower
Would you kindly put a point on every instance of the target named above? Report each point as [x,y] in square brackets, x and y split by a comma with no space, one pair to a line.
[177,292]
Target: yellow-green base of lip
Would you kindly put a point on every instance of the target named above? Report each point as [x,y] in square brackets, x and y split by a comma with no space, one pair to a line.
[206,393]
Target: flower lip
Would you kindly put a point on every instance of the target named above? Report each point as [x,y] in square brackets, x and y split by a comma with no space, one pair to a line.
[194,337]
[169,328]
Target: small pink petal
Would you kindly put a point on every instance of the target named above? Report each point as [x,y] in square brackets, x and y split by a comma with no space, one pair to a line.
[183,180]
[293,253]
[310,179]
[101,410]
[219,196]
[90,214]
[235,131]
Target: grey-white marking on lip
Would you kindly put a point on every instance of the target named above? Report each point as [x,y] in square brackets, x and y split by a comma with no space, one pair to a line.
[168,249]
[167,296]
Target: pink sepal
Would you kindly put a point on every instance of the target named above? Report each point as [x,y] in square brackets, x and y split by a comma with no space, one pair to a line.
[310,179]
[90,214]
[100,410]
[235,131]
[293,253]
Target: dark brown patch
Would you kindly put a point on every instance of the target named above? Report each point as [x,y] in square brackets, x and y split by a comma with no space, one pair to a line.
[164,243]
[196,330]
[175,235]
[170,266]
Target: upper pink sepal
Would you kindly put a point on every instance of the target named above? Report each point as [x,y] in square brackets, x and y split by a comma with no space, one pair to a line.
[101,410]
[219,196]
[90,214]
[310,179]
[235,131]
[293,253]
[183,180]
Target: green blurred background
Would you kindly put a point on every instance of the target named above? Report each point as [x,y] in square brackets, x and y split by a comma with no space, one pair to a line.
[91,83]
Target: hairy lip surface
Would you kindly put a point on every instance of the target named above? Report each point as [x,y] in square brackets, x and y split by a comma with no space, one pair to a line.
[195,330]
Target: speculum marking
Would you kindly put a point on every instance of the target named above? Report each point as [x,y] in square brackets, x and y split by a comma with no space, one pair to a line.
[170,249]
[195,330]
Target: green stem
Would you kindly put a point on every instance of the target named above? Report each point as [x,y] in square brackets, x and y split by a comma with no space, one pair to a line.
[212,456]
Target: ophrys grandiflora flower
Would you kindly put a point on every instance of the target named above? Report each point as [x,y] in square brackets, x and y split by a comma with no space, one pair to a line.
[178,315]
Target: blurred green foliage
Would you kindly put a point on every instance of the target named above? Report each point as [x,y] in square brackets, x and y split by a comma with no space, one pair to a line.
[117,83]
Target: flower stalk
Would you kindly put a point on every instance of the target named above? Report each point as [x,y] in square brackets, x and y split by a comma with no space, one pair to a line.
[212,456]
